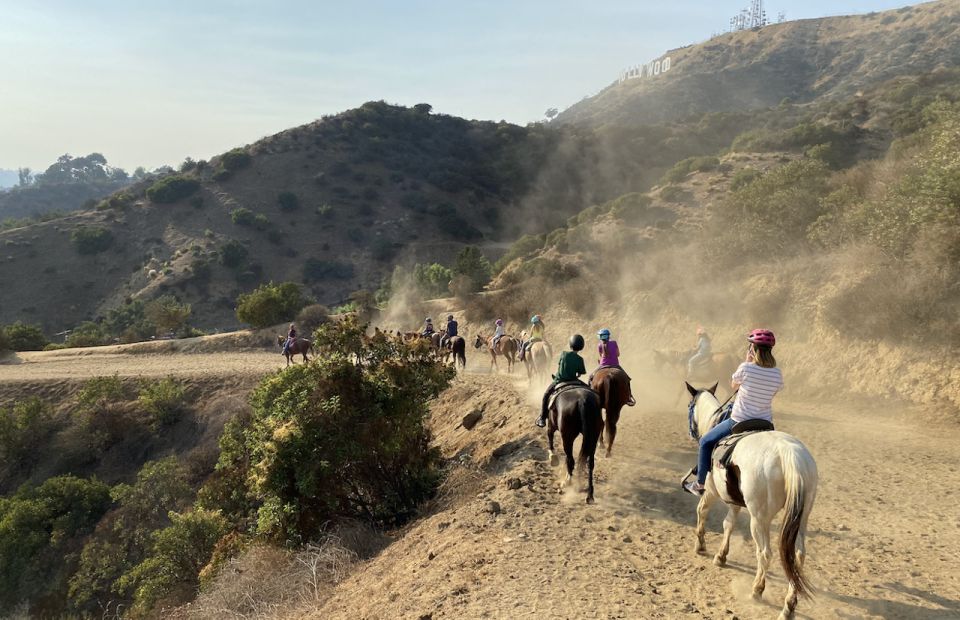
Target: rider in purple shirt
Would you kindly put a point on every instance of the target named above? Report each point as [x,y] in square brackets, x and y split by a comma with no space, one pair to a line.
[609,356]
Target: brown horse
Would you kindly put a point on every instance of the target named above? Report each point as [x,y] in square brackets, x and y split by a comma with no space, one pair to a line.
[720,368]
[575,412]
[457,347]
[507,347]
[613,386]
[299,346]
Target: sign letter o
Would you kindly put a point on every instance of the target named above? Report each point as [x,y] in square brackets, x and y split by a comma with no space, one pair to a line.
[665,65]
[656,68]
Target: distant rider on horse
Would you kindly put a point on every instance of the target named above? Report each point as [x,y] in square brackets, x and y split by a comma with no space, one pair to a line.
[427,328]
[536,335]
[702,353]
[569,369]
[449,332]
[756,381]
[498,333]
[291,338]
[609,352]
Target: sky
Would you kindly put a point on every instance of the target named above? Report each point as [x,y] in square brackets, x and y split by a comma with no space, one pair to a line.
[152,83]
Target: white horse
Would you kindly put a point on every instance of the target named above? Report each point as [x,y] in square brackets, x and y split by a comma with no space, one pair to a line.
[775,470]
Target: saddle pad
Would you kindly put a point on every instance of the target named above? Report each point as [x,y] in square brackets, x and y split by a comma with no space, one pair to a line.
[724,449]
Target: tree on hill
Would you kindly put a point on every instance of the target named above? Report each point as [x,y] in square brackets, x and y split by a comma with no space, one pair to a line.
[25,337]
[270,304]
[473,268]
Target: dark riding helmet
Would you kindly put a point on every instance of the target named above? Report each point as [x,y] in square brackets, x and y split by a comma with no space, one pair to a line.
[449,317]
[576,342]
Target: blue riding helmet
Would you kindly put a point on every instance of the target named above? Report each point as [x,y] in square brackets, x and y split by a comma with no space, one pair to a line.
[604,334]
[535,318]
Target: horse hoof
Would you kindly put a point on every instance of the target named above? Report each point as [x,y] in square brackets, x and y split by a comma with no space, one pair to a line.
[608,454]
[758,595]
[719,561]
[589,499]
[554,460]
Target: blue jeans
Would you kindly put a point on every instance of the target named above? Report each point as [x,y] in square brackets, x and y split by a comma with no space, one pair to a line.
[707,443]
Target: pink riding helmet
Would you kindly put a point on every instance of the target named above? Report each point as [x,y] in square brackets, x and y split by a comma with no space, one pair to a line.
[499,321]
[762,337]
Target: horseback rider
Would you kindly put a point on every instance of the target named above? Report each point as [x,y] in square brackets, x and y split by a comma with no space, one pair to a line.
[569,368]
[536,334]
[756,381]
[702,353]
[609,352]
[498,334]
[449,331]
[427,328]
[291,338]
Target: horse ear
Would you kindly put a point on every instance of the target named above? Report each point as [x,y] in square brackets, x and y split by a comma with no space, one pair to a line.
[691,389]
[713,389]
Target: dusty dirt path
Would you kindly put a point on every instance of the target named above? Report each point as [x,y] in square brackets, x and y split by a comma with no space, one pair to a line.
[883,538]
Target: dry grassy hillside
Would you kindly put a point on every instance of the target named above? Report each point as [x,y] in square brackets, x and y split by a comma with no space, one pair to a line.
[804,60]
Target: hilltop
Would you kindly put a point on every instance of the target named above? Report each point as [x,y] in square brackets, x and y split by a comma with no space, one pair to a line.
[803,61]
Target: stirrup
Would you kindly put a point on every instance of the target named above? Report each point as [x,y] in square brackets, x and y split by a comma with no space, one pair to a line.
[683,481]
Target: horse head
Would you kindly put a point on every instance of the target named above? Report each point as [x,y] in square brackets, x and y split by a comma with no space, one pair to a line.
[479,342]
[700,412]
[280,340]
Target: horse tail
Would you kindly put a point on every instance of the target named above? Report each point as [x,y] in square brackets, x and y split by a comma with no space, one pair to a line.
[800,482]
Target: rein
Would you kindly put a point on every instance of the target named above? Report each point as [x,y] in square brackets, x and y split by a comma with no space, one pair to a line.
[718,416]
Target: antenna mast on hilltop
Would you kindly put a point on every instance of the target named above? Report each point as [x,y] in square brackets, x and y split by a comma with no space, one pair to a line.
[755,16]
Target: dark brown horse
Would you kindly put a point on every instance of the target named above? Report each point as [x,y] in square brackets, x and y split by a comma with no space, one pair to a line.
[457,347]
[575,412]
[507,346]
[613,386]
[300,346]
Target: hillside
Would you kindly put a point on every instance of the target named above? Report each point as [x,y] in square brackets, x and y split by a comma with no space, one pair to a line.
[803,61]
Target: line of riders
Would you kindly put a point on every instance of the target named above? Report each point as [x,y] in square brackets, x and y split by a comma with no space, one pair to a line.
[755,383]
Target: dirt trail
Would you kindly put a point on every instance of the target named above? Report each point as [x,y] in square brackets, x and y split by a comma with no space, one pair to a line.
[883,535]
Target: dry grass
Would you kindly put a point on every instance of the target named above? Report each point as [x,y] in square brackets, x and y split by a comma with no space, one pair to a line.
[268,582]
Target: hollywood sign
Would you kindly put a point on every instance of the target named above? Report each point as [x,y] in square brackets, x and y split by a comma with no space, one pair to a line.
[650,69]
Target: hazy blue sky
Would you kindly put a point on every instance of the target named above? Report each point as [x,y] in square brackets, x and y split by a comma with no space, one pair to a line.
[151,83]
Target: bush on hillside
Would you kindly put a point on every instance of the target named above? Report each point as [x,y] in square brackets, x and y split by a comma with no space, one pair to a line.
[163,401]
[129,322]
[167,314]
[474,268]
[319,269]
[363,406]
[743,177]
[39,527]
[312,317]
[124,540]
[233,254]
[433,280]
[288,201]
[235,160]
[242,217]
[24,337]
[91,239]
[271,304]
[172,189]
[24,428]
[522,247]
[683,168]
[87,334]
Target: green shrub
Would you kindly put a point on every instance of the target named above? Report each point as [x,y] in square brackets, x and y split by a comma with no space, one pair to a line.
[177,553]
[172,188]
[100,392]
[674,193]
[55,346]
[682,168]
[743,177]
[474,267]
[163,401]
[91,239]
[39,527]
[270,304]
[318,269]
[87,334]
[242,217]
[235,160]
[233,254]
[24,337]
[363,406]
[288,201]
[24,429]
[312,317]
[433,280]
[167,314]
[522,247]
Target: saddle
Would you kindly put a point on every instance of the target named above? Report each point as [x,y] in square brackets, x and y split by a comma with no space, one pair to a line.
[724,451]
[566,386]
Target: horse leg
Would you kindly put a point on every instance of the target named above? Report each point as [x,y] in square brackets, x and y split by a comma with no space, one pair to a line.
[760,529]
[703,509]
[610,429]
[551,430]
[568,436]
[728,523]
[588,451]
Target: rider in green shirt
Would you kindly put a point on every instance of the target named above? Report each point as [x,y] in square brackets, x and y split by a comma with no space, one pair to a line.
[570,368]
